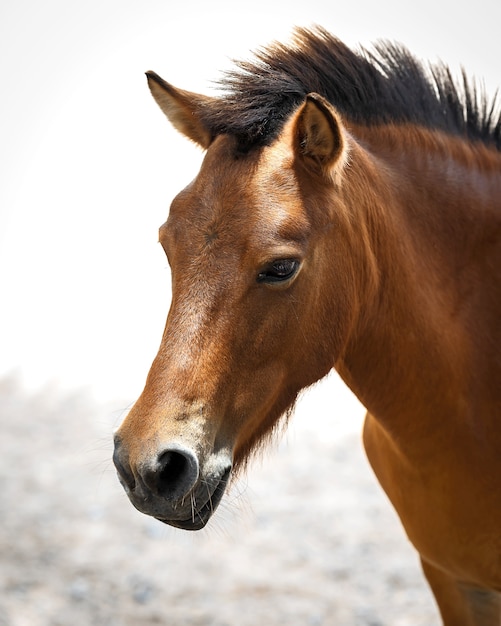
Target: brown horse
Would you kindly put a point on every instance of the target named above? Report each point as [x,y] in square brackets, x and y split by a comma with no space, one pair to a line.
[347,214]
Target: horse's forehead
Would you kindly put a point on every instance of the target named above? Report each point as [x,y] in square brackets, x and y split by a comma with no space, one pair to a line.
[225,168]
[229,184]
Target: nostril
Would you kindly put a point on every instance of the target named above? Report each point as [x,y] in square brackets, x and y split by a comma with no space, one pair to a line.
[174,474]
[174,465]
[121,463]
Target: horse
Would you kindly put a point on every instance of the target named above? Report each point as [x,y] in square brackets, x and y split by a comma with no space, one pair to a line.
[347,216]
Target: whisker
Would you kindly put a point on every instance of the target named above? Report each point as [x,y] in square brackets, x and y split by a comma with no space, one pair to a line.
[192,498]
[210,497]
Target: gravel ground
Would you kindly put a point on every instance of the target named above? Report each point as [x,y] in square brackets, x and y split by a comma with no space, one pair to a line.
[284,547]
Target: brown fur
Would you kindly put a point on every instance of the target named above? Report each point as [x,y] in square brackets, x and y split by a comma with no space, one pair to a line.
[392,229]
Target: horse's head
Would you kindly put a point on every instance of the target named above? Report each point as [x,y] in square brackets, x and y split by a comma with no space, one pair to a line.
[254,270]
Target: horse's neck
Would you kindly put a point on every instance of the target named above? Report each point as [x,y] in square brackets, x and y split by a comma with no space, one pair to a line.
[437,241]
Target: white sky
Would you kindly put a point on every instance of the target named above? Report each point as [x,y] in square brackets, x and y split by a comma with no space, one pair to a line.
[89,165]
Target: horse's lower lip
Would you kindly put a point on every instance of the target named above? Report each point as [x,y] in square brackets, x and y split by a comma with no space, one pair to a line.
[190,524]
[200,516]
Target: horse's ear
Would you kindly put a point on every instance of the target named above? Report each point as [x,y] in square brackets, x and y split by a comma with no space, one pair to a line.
[319,138]
[181,107]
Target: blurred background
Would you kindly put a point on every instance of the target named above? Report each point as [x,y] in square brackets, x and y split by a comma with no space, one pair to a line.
[88,167]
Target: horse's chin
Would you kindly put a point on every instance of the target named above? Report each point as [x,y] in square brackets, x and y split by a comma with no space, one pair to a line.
[189,524]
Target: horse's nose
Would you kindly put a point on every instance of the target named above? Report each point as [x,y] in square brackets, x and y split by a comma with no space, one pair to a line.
[174,473]
[121,462]
[171,474]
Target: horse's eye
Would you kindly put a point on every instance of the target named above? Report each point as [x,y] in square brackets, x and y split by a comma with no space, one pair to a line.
[278,271]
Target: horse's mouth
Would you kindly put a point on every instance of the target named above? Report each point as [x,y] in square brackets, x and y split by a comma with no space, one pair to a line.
[200,515]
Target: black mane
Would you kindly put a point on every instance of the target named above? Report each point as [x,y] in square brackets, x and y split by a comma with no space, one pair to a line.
[368,87]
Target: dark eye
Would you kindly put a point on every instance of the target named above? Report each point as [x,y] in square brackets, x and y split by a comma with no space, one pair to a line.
[279,271]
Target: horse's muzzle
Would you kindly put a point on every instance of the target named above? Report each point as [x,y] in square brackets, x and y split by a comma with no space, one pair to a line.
[172,486]
[201,511]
